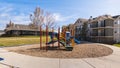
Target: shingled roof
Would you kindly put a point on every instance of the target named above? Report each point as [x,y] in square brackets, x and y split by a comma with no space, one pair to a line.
[103,17]
[12,26]
[80,21]
[116,16]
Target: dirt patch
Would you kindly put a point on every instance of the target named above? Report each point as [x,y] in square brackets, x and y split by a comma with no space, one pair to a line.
[80,51]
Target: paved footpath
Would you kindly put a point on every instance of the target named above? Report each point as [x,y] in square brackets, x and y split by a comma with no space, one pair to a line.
[15,60]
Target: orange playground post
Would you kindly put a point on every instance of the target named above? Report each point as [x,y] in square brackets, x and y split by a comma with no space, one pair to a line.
[40,37]
[46,36]
[58,37]
[53,36]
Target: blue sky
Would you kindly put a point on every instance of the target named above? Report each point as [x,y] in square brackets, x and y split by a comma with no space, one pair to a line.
[65,11]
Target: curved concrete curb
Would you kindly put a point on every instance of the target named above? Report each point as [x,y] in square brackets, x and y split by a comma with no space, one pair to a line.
[24,61]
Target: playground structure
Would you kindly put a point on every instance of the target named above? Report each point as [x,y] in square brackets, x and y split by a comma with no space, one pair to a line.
[65,38]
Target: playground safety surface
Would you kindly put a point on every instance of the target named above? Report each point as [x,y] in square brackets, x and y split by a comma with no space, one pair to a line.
[85,50]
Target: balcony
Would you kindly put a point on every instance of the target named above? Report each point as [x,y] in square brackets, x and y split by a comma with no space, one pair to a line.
[94,25]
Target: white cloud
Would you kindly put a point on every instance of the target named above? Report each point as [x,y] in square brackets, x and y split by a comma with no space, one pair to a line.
[112,4]
[8,13]
[60,18]
[6,9]
[113,1]
[21,19]
[112,7]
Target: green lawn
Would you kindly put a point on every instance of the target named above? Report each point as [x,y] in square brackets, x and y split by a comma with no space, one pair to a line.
[14,41]
[118,45]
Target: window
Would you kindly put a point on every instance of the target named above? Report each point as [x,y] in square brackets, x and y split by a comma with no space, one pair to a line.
[115,22]
[102,24]
[89,25]
[81,27]
[118,22]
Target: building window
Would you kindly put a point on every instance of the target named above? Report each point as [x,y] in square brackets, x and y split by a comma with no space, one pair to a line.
[89,25]
[81,27]
[115,31]
[118,22]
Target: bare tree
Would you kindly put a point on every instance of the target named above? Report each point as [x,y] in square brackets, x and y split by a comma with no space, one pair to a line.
[49,20]
[38,17]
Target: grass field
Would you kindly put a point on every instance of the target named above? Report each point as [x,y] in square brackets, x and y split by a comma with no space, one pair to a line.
[118,45]
[14,41]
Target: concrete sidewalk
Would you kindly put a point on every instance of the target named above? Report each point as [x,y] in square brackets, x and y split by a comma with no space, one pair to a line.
[24,61]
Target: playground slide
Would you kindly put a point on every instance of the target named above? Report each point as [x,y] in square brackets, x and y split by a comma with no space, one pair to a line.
[63,43]
[77,41]
[1,59]
[67,47]
[51,42]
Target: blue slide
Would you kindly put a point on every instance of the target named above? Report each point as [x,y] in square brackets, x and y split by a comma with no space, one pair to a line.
[76,41]
[1,59]
[51,42]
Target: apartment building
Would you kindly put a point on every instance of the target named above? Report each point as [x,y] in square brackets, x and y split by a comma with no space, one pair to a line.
[69,27]
[78,25]
[102,29]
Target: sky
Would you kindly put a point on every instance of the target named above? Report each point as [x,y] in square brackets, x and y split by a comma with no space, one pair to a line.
[65,11]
